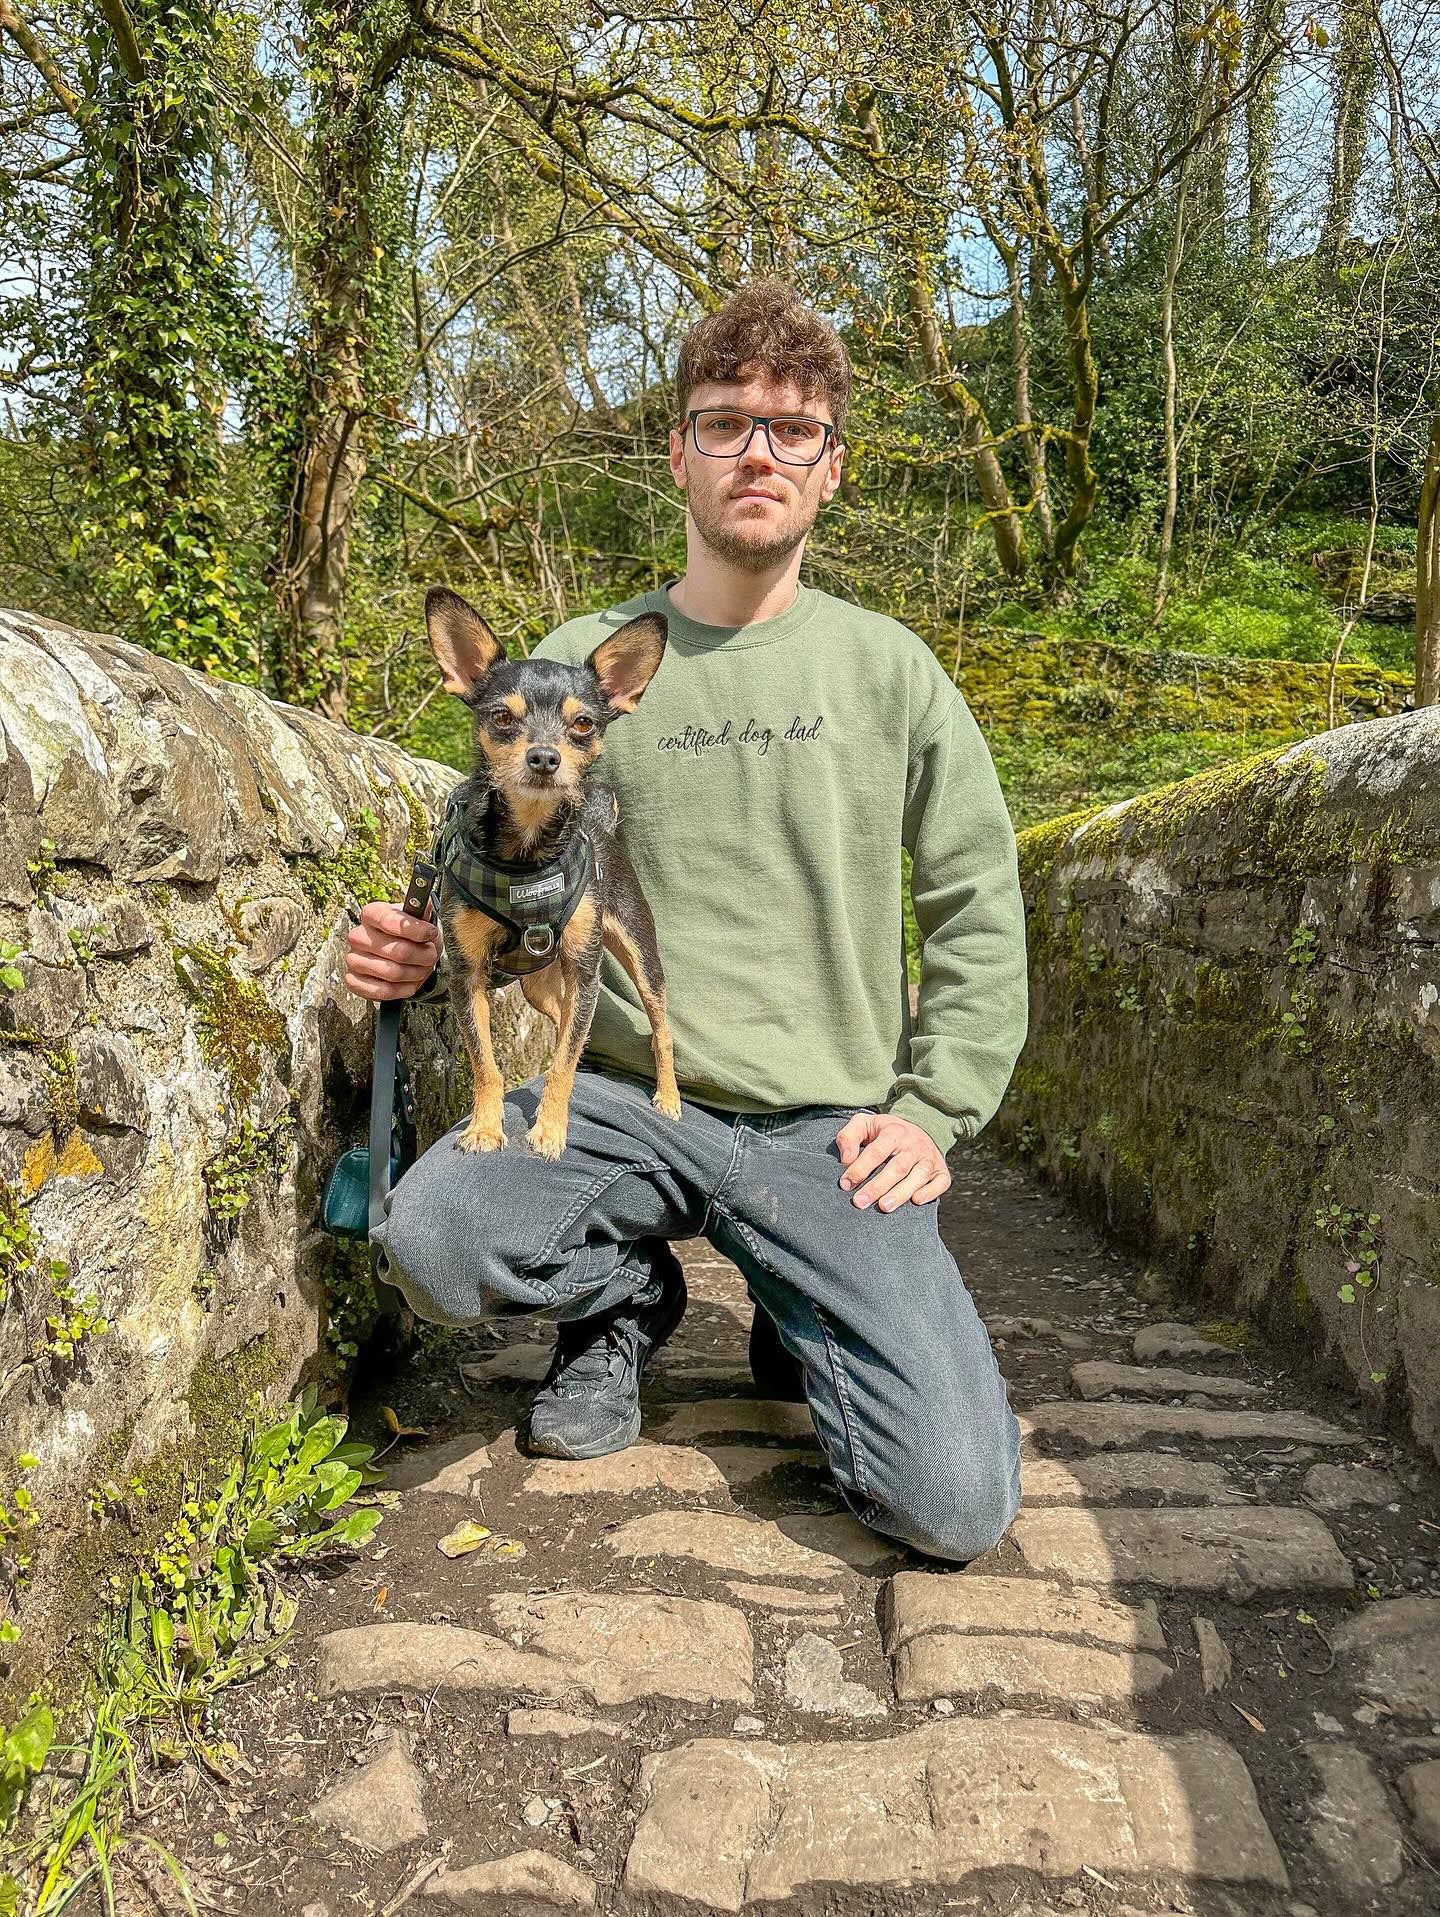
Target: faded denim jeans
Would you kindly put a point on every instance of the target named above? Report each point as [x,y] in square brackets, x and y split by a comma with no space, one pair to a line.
[907,1399]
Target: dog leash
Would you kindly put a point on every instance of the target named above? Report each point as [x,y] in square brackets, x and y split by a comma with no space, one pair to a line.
[388,1077]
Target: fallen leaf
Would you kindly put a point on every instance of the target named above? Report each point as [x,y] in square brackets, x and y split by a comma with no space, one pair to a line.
[401,1430]
[381,1595]
[467,1536]
[1253,1722]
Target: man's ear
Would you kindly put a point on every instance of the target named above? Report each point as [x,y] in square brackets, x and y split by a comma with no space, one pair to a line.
[460,639]
[628,660]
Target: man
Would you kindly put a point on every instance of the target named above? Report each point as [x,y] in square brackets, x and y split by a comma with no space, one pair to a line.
[787,747]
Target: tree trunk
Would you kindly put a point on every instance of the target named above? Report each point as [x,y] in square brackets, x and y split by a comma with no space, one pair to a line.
[1033,443]
[1172,384]
[1260,124]
[910,257]
[1427,577]
[1355,70]
[346,358]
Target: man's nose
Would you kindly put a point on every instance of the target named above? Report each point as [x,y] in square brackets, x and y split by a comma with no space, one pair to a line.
[757,456]
[542,758]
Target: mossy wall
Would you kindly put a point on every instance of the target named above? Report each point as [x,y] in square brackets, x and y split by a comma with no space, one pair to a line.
[1234,1050]
[1037,681]
[180,1065]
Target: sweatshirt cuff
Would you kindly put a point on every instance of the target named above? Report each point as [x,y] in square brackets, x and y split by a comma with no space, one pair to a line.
[945,1130]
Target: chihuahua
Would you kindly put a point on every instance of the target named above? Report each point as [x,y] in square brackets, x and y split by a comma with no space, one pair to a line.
[534,878]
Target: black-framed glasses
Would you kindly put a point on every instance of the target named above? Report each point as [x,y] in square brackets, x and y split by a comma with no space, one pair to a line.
[723,432]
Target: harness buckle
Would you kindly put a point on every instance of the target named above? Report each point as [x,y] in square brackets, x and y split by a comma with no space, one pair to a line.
[534,933]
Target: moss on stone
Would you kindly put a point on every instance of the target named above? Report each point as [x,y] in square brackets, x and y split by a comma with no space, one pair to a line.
[1265,815]
[357,870]
[220,1387]
[235,1024]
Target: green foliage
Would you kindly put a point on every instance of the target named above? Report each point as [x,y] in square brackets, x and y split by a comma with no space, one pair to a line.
[17,1240]
[203,1592]
[18,1518]
[204,1612]
[77,1321]
[12,979]
[229,1177]
[164,325]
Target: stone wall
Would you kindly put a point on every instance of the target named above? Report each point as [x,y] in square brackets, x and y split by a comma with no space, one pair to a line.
[1235,1040]
[180,1064]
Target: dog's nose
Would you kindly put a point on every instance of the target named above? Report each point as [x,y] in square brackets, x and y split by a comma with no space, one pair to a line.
[542,758]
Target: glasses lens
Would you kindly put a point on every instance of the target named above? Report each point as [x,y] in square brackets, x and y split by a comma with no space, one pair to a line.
[796,440]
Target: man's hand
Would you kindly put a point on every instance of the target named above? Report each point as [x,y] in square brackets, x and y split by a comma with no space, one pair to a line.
[391,953]
[895,1158]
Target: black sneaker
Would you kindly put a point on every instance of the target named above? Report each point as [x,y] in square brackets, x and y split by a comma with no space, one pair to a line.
[589,1404]
[777,1372]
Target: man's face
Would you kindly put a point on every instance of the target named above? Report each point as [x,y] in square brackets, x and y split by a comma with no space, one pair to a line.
[753,509]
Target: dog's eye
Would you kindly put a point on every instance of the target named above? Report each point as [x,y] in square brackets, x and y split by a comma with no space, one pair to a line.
[584,723]
[501,716]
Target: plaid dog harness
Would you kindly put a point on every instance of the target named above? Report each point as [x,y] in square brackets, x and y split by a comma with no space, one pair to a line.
[532,898]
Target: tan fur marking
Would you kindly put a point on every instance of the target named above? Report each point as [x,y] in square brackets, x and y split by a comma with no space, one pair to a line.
[476,934]
[667,1093]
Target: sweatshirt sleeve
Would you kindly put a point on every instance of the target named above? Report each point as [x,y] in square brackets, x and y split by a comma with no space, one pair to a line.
[437,986]
[974,991]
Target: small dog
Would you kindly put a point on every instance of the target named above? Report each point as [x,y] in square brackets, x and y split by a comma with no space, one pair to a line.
[534,879]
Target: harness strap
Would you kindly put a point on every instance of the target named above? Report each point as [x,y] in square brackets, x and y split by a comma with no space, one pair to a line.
[532,898]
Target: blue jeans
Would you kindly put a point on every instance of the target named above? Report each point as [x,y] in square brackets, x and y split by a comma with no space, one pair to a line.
[907,1399]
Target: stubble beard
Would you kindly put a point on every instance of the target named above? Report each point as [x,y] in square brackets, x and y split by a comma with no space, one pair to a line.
[739,547]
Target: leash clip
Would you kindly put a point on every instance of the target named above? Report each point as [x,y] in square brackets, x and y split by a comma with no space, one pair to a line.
[534,932]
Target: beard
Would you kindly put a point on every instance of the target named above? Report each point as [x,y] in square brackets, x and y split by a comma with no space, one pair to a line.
[749,543]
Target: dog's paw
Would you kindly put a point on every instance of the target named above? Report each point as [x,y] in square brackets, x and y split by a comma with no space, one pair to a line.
[666,1102]
[547,1137]
[478,1137]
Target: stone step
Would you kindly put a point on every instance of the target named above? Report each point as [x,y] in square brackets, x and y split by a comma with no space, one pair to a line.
[730,1824]
[1156,1342]
[720,1417]
[947,1665]
[799,1547]
[1097,1378]
[1395,1646]
[1099,1424]
[916,1603]
[1112,1474]
[608,1648]
[624,1474]
[1021,1637]
[1237,1551]
[741,1464]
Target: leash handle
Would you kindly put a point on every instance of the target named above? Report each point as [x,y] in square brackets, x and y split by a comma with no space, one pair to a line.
[421,888]
[386,1069]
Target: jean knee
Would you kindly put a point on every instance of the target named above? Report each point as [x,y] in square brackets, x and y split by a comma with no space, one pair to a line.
[445,1247]
[953,1508]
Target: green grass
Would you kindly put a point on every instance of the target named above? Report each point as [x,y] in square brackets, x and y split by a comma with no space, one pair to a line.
[1270,601]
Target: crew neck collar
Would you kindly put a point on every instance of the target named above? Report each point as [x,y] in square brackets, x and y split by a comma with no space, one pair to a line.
[692,636]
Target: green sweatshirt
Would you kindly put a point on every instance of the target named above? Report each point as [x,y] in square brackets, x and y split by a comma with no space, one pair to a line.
[766,782]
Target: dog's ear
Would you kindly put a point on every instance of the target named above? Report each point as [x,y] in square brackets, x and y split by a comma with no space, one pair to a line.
[460,639]
[628,660]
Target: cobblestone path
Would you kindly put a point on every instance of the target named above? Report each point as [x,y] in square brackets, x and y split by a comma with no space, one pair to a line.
[1201,1672]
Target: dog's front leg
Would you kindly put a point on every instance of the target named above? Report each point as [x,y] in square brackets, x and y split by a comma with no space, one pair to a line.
[552,1120]
[486,1130]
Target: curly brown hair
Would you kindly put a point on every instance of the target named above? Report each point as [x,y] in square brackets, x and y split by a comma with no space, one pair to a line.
[765,326]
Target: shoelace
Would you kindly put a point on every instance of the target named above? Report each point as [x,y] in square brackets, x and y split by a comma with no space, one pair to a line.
[589,1363]
[593,1360]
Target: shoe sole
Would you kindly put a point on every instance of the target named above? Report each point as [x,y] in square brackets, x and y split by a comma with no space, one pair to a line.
[631,1429]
